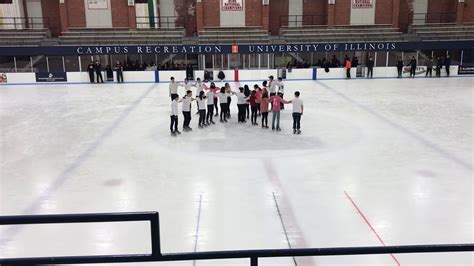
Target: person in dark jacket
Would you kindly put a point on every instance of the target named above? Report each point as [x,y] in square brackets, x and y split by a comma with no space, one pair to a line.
[335,62]
[370,68]
[355,61]
[109,73]
[400,67]
[429,67]
[119,70]
[439,66]
[98,72]
[90,69]
[412,65]
[447,64]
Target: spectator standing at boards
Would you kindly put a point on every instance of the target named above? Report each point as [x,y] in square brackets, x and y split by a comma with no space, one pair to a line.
[119,71]
[98,71]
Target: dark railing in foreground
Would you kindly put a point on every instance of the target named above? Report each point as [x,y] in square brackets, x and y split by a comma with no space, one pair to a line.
[157,256]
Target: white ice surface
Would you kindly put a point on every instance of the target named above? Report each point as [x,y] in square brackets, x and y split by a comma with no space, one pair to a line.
[402,150]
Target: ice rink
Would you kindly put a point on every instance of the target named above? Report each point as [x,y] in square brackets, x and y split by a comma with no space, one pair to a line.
[379,162]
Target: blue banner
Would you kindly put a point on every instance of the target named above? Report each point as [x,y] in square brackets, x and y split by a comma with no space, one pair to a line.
[236,49]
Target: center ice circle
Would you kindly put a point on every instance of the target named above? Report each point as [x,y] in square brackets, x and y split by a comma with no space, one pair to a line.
[321,133]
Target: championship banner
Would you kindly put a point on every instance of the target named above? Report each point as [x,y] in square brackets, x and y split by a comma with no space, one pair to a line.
[362,3]
[3,78]
[51,77]
[232,5]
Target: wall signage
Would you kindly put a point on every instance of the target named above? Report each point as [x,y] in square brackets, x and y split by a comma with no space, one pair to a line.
[362,4]
[232,5]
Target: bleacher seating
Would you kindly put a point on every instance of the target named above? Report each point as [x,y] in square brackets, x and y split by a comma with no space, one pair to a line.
[26,37]
[443,32]
[121,36]
[234,35]
[353,33]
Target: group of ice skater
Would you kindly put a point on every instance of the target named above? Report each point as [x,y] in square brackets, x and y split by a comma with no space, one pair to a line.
[250,103]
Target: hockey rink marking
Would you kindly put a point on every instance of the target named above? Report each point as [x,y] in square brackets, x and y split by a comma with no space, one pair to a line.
[196,236]
[283,225]
[272,174]
[444,153]
[66,174]
[369,224]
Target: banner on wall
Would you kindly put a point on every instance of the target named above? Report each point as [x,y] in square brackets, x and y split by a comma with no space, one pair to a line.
[232,5]
[97,4]
[51,77]
[3,78]
[234,49]
[466,70]
[362,3]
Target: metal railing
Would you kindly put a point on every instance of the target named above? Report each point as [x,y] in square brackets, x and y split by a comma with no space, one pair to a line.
[21,23]
[302,20]
[420,18]
[157,256]
[163,22]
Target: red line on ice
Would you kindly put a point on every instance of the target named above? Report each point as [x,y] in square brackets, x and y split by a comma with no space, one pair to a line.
[370,225]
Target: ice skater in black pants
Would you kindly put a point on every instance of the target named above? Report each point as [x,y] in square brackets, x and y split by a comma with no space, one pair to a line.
[187,110]
[247,104]
[264,102]
[281,91]
[90,70]
[412,65]
[98,72]
[429,67]
[174,116]
[400,67]
[254,106]
[210,95]
[297,113]
[228,90]
[241,101]
[370,68]
[447,64]
[119,70]
[223,99]
[201,102]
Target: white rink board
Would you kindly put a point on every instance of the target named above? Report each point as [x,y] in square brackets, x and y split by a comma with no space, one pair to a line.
[257,74]
[21,77]
[298,73]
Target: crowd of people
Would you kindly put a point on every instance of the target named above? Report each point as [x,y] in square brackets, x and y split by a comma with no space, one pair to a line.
[251,104]
[412,64]
[95,69]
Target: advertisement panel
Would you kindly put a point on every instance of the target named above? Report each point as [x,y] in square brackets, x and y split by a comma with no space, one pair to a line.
[51,77]
[466,70]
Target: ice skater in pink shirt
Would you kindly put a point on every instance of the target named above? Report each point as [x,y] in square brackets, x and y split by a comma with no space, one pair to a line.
[276,107]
